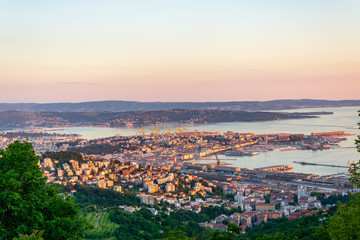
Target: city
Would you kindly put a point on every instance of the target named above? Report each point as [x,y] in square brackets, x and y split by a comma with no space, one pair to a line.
[166,168]
[179,120]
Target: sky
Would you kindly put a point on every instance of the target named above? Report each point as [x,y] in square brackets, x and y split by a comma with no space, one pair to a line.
[179,50]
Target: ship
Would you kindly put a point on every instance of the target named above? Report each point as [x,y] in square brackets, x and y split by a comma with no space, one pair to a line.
[239,153]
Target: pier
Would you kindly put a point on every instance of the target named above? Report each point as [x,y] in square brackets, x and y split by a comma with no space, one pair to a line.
[319,164]
[279,168]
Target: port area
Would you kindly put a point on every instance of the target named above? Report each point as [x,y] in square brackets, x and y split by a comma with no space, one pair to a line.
[280,180]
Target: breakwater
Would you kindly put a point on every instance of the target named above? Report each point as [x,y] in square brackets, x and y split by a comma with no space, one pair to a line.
[320,164]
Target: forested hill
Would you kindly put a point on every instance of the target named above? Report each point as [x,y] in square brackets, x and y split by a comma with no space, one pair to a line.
[153,106]
[16,119]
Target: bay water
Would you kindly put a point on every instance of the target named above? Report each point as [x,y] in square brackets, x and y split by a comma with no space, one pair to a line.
[343,119]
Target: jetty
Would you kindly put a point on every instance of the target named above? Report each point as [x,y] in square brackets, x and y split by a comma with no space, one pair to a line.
[320,164]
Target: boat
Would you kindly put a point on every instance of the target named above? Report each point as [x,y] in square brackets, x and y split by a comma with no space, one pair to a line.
[288,149]
[239,153]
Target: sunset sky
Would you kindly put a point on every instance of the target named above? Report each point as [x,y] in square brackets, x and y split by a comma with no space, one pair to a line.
[179,50]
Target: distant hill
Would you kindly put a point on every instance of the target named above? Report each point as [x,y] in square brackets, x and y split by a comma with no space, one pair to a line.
[123,106]
[17,119]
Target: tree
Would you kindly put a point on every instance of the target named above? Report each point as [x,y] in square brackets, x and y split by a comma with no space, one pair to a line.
[267,198]
[36,235]
[28,203]
[346,223]
[355,167]
[277,206]
[179,234]
[232,227]
[276,236]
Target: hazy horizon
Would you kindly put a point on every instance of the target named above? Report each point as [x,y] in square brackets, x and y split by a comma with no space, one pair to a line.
[112,100]
[176,51]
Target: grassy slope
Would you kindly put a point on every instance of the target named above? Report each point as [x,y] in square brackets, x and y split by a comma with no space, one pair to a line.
[103,227]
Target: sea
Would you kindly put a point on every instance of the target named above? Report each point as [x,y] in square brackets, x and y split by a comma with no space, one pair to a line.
[343,119]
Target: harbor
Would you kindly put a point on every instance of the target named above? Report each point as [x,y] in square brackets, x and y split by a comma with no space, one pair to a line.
[343,119]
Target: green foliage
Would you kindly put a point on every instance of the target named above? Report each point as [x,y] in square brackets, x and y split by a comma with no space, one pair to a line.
[181,216]
[36,235]
[87,195]
[27,202]
[179,234]
[277,206]
[332,199]
[321,233]
[276,236]
[189,231]
[222,236]
[204,182]
[70,143]
[267,198]
[137,225]
[296,198]
[143,225]
[134,225]
[218,190]
[346,223]
[231,232]
[355,167]
[64,156]
[103,226]
[213,211]
[232,227]
[301,228]
[181,187]
[229,196]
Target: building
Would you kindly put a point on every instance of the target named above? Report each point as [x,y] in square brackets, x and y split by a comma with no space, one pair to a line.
[147,199]
[109,183]
[198,187]
[60,173]
[48,163]
[264,207]
[101,184]
[302,193]
[153,188]
[78,171]
[220,227]
[170,187]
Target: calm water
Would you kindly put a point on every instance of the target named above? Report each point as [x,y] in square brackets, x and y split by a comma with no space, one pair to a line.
[343,119]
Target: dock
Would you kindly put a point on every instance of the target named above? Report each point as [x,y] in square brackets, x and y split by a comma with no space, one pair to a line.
[279,168]
[319,164]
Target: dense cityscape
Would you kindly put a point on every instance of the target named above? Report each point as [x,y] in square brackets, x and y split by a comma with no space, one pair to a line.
[166,170]
[179,120]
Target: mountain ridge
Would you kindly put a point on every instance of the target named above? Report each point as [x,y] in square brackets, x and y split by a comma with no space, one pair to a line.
[123,106]
[17,119]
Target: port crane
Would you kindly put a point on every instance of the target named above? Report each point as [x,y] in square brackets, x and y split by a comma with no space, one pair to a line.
[217,160]
[218,163]
[141,132]
[155,130]
[350,165]
[178,130]
[168,130]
